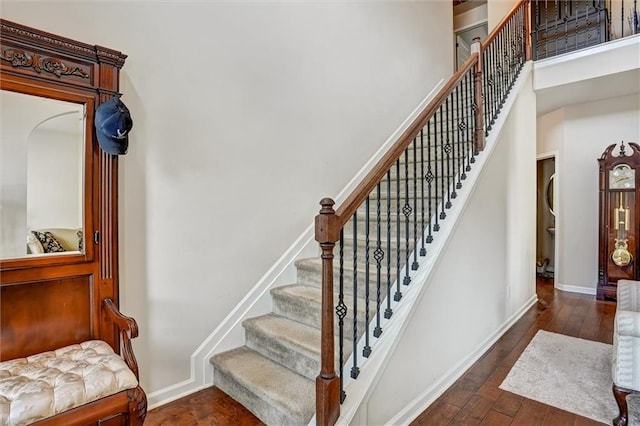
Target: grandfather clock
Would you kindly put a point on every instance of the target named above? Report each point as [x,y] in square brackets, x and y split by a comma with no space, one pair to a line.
[619,251]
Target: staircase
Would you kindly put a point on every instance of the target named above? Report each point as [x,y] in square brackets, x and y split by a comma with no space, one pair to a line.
[273,374]
[384,226]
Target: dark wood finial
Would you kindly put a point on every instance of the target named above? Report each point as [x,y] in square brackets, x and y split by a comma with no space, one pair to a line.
[327,206]
[622,154]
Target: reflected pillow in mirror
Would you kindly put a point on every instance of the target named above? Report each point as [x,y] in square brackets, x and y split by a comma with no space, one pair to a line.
[80,240]
[48,242]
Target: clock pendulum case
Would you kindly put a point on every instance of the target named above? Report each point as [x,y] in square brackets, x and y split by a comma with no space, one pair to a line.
[619,219]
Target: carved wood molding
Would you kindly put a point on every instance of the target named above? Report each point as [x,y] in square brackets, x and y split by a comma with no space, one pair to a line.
[20,58]
[41,37]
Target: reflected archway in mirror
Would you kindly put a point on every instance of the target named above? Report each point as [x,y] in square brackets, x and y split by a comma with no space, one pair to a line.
[42,172]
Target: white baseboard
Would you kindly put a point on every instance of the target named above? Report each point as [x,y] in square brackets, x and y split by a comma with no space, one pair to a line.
[576,289]
[419,404]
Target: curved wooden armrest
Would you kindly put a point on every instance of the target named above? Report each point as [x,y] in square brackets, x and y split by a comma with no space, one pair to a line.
[127,330]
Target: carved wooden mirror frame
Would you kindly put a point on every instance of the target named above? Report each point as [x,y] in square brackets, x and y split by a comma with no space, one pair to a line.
[57,288]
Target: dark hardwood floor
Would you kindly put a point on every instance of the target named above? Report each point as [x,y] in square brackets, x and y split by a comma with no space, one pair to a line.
[475,398]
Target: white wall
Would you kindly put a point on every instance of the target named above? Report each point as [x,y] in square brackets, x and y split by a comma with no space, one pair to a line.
[245,115]
[54,172]
[498,9]
[470,18]
[485,277]
[580,133]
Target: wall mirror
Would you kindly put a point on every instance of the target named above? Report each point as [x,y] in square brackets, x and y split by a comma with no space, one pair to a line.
[41,175]
[550,198]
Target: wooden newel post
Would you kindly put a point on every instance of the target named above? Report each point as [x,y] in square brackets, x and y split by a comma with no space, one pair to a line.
[327,383]
[478,137]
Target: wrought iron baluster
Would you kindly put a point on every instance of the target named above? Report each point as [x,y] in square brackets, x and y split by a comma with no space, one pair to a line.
[436,183]
[378,255]
[454,144]
[443,158]
[577,21]
[355,371]
[447,150]
[429,177]
[366,351]
[415,265]
[471,120]
[500,71]
[505,61]
[388,311]
[406,210]
[522,40]
[566,26]
[507,55]
[398,294]
[423,250]
[512,49]
[466,102]
[486,95]
[341,311]
[461,125]
[492,93]
[495,101]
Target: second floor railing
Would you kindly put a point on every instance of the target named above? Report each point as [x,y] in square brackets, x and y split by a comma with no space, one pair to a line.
[384,228]
[563,26]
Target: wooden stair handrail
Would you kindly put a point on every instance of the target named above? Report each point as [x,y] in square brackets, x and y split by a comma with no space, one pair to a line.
[362,191]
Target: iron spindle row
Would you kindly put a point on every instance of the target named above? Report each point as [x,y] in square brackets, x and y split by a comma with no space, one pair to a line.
[447,137]
[502,61]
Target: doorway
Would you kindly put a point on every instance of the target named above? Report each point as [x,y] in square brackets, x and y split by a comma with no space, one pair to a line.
[546,217]
[464,39]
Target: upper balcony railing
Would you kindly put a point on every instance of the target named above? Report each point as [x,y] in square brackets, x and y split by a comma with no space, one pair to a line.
[562,26]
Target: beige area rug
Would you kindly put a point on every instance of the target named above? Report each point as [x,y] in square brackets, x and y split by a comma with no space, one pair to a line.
[566,372]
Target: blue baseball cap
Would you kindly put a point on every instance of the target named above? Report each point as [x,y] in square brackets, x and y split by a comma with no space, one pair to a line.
[113,123]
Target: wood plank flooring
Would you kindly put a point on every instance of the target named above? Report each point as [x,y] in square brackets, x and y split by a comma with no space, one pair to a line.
[475,398]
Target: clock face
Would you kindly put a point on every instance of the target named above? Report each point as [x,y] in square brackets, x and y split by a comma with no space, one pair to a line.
[622,177]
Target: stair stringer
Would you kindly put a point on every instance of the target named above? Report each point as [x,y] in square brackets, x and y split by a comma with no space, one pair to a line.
[230,333]
[358,390]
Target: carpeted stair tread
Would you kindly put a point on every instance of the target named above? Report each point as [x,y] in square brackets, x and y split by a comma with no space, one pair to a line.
[309,272]
[288,342]
[302,303]
[303,338]
[254,381]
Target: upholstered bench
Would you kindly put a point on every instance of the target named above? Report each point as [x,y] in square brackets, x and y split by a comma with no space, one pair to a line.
[626,346]
[50,383]
[79,384]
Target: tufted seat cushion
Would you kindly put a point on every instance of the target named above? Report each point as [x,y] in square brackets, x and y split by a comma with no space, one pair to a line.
[626,336]
[49,383]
